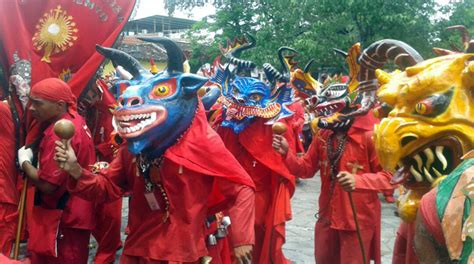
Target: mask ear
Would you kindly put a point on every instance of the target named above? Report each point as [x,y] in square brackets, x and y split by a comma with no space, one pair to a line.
[192,82]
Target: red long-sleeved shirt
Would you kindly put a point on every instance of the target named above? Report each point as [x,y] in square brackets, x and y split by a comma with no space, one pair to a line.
[189,172]
[334,204]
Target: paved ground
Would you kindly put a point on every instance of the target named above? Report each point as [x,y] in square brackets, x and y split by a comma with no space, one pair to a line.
[300,231]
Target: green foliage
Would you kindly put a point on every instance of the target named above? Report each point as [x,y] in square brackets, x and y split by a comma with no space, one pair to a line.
[314,27]
[460,13]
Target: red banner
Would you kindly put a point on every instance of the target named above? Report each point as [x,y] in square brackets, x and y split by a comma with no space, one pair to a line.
[57,38]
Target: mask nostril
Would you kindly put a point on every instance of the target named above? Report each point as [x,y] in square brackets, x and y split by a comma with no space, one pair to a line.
[407,139]
[134,102]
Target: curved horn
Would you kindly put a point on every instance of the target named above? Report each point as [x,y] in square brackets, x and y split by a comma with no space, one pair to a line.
[252,42]
[286,69]
[340,52]
[308,65]
[374,57]
[465,38]
[175,54]
[233,55]
[123,59]
[272,73]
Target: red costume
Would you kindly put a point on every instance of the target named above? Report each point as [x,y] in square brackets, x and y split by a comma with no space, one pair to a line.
[108,215]
[403,250]
[195,167]
[274,185]
[335,232]
[77,217]
[8,191]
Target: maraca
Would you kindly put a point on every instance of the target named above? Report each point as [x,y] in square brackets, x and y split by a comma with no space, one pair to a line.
[279,128]
[64,129]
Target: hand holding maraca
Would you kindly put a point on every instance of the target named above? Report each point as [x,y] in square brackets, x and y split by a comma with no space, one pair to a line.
[280,144]
[65,156]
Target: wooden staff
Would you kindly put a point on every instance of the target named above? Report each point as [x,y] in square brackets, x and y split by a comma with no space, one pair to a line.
[20,218]
[355,166]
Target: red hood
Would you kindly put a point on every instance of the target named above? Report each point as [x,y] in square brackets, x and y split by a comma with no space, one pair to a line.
[202,150]
[257,140]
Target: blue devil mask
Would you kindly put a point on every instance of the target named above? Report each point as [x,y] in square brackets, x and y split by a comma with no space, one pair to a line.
[155,110]
[246,98]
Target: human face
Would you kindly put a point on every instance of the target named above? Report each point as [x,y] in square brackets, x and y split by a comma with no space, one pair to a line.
[44,110]
[92,96]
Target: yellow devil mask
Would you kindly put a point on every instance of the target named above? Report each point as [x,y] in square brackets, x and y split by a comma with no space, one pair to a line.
[428,124]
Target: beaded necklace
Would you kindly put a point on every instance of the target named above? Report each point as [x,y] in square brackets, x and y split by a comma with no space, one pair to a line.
[333,156]
[144,166]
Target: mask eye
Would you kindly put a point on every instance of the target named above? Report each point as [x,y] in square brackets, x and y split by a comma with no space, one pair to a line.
[163,89]
[434,105]
[234,91]
[424,108]
[256,97]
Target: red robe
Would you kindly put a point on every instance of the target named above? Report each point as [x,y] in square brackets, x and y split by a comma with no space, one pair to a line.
[190,170]
[403,250]
[8,176]
[335,236]
[78,215]
[275,185]
[108,215]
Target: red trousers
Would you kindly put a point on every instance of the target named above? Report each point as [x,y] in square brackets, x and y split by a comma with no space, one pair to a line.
[339,246]
[107,231]
[403,252]
[8,224]
[73,248]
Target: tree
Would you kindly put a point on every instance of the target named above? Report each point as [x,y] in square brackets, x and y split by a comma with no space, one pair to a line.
[459,13]
[315,27]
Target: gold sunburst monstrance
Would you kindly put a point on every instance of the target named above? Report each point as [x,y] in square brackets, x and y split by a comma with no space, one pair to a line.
[55,32]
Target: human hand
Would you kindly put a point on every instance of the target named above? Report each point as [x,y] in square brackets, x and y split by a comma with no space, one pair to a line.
[346,180]
[243,254]
[66,159]
[24,154]
[280,144]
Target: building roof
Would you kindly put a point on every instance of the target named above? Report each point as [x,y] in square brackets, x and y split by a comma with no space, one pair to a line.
[158,23]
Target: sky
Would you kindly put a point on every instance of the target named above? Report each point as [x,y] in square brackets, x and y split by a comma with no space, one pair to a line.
[157,7]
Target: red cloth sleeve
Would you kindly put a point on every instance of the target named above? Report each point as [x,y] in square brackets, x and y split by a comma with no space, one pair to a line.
[306,166]
[48,169]
[379,180]
[101,188]
[242,212]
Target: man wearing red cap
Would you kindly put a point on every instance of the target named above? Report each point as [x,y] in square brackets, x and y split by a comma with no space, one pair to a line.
[8,191]
[60,224]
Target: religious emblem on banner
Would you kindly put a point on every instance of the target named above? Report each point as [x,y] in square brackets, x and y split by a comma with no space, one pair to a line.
[55,32]
[65,75]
